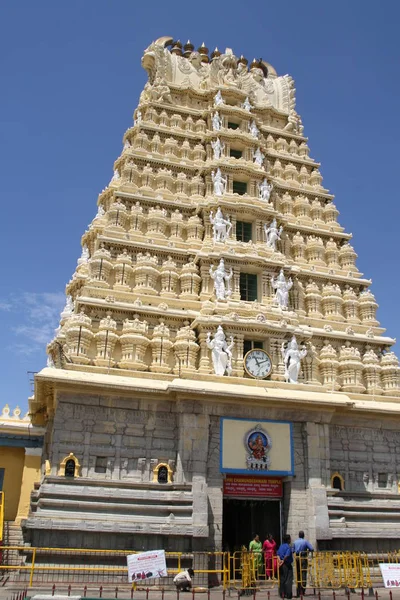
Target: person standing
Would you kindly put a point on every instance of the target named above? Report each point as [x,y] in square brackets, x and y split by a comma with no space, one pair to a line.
[269,548]
[285,563]
[256,547]
[301,548]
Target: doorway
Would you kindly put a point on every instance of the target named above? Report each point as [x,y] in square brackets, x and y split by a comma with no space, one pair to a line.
[242,518]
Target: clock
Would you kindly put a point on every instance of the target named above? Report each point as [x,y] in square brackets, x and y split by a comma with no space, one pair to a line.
[257,363]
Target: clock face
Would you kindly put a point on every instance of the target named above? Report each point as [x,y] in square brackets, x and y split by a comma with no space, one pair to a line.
[257,363]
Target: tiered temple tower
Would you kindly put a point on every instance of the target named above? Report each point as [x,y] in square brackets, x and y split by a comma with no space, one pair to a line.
[216,238]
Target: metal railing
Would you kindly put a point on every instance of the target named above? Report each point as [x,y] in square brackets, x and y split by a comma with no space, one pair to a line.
[240,570]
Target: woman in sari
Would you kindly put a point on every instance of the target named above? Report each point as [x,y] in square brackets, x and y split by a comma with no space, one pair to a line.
[269,548]
[256,547]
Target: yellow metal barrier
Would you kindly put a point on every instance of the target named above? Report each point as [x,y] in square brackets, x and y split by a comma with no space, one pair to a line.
[1,516]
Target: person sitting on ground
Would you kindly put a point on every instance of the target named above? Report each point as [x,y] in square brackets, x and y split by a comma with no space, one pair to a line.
[183,580]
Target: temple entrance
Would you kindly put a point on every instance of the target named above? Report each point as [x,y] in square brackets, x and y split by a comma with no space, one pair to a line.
[244,517]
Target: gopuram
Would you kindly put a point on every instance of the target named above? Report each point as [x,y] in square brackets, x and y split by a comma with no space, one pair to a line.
[219,369]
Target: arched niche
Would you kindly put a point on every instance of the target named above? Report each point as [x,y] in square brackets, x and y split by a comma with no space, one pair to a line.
[69,466]
[337,482]
[162,473]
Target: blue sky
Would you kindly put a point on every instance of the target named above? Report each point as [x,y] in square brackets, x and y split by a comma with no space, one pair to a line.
[71,78]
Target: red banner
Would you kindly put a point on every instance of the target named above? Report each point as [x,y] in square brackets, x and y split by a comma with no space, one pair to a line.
[253,487]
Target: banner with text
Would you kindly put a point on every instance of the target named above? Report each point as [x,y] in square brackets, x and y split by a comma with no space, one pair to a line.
[390,574]
[146,565]
[256,447]
[253,487]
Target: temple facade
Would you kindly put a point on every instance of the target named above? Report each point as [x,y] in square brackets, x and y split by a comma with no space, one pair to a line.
[219,369]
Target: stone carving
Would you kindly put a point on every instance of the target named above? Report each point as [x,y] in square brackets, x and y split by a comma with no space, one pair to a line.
[127,144]
[292,357]
[246,105]
[100,212]
[272,234]
[116,175]
[265,190]
[138,118]
[253,129]
[221,281]
[84,256]
[282,288]
[68,308]
[50,362]
[216,121]
[221,352]
[221,226]
[218,148]
[218,100]
[219,182]
[258,157]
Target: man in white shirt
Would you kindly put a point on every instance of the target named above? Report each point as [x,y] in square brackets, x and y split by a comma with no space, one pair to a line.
[183,580]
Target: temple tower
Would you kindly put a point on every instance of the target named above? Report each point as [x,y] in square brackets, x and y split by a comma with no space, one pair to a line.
[215,287]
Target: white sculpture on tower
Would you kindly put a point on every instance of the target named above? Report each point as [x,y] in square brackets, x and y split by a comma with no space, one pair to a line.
[217,147]
[84,256]
[116,175]
[282,288]
[219,182]
[216,121]
[68,308]
[246,105]
[265,190]
[255,132]
[127,144]
[258,157]
[222,279]
[221,226]
[272,234]
[291,360]
[138,117]
[100,212]
[221,352]
[218,100]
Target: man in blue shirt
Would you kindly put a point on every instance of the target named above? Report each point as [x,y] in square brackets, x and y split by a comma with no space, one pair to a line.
[301,547]
[285,562]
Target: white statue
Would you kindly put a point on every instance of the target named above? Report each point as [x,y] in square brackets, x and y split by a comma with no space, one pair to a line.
[221,226]
[68,308]
[282,288]
[116,175]
[222,279]
[221,352]
[50,362]
[100,212]
[255,132]
[272,234]
[127,144]
[216,121]
[291,360]
[218,99]
[246,105]
[84,256]
[217,147]
[219,182]
[138,117]
[265,190]
[258,157]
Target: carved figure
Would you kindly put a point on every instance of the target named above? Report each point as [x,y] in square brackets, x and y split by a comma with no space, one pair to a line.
[246,105]
[84,256]
[222,280]
[138,117]
[272,234]
[258,157]
[219,182]
[217,147]
[100,212]
[265,190]
[218,100]
[221,226]
[116,175]
[292,357]
[216,121]
[255,132]
[127,144]
[221,352]
[282,288]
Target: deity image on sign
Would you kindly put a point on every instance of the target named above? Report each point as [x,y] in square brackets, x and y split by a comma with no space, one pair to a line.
[282,288]
[221,352]
[292,360]
[272,234]
[265,190]
[221,226]
[257,443]
[216,121]
[218,148]
[255,132]
[218,100]
[219,182]
[258,157]
[222,279]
